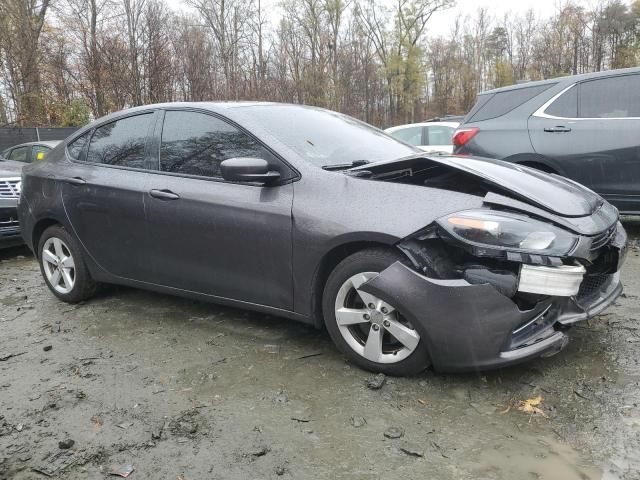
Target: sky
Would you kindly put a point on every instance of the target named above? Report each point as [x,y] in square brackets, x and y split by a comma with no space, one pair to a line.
[441,22]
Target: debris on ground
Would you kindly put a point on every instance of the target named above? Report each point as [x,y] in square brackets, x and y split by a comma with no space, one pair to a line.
[122,470]
[411,449]
[46,348]
[258,450]
[66,444]
[531,407]
[301,417]
[281,470]
[375,382]
[358,421]
[6,356]
[394,432]
[185,424]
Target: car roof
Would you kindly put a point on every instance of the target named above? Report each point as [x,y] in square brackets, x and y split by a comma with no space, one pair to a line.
[567,79]
[423,124]
[216,107]
[46,143]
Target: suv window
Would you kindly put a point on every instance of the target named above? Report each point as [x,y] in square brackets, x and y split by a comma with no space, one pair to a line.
[121,143]
[502,103]
[195,143]
[20,154]
[612,97]
[76,148]
[410,135]
[439,135]
[566,105]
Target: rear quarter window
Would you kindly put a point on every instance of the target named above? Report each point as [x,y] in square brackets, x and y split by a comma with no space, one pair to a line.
[501,103]
[76,148]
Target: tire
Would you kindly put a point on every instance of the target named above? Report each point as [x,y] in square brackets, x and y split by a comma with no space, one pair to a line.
[350,339]
[74,283]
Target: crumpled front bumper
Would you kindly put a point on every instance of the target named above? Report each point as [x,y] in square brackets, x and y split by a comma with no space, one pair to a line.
[475,327]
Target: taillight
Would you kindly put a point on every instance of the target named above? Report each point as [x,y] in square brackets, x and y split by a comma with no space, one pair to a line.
[463,135]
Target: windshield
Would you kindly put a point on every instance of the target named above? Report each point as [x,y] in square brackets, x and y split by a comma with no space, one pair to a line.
[327,138]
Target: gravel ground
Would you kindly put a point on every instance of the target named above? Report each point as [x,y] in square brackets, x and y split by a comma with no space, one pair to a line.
[185,390]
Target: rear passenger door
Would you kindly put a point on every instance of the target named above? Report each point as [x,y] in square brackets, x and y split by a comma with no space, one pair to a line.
[230,240]
[592,132]
[103,187]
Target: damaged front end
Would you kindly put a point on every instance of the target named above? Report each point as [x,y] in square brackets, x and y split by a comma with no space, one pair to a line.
[493,287]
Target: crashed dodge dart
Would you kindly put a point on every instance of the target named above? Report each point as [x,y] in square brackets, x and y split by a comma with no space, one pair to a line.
[409,260]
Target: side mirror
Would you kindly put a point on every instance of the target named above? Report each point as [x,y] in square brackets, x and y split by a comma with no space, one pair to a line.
[245,169]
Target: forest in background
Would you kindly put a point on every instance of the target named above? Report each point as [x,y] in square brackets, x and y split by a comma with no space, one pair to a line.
[64,62]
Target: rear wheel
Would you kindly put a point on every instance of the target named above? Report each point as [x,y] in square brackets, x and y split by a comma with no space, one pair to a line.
[63,267]
[371,332]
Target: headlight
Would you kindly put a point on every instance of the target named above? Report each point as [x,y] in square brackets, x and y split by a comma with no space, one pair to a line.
[508,231]
[19,187]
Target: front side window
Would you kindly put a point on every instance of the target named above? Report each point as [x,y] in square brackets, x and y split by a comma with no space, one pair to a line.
[439,135]
[76,149]
[615,97]
[410,135]
[195,143]
[566,105]
[121,143]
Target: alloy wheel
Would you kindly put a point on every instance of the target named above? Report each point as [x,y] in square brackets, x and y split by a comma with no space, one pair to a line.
[58,264]
[371,327]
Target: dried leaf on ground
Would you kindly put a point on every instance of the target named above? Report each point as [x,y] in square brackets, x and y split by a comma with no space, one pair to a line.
[531,406]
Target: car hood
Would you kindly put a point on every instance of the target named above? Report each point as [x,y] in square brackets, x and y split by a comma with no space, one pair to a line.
[553,193]
[10,168]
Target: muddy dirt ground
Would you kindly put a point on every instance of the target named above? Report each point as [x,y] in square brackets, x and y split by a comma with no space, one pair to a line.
[185,390]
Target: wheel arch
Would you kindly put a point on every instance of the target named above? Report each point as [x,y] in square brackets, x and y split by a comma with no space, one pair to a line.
[38,229]
[536,161]
[330,260]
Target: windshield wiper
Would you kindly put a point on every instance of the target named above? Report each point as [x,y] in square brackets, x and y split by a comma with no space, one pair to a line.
[343,166]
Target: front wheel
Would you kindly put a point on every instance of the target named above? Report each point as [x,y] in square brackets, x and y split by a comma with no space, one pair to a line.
[371,332]
[63,267]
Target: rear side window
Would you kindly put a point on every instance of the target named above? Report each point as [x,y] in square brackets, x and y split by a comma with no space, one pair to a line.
[502,103]
[439,135]
[410,135]
[121,143]
[566,105]
[614,97]
[20,154]
[195,143]
[76,149]
[39,152]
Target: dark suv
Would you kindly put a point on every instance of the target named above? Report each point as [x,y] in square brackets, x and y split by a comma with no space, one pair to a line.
[584,127]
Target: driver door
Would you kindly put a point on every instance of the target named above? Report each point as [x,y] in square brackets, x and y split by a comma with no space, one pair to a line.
[206,235]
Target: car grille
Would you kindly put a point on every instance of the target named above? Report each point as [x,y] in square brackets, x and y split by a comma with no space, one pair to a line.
[9,188]
[602,239]
[592,284]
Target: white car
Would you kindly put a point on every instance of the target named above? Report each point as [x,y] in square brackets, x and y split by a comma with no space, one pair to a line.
[433,136]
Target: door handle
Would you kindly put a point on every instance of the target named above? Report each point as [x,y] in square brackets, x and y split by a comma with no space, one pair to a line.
[164,194]
[557,129]
[74,180]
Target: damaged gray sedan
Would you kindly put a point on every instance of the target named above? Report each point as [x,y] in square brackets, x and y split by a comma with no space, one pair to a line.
[407,259]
